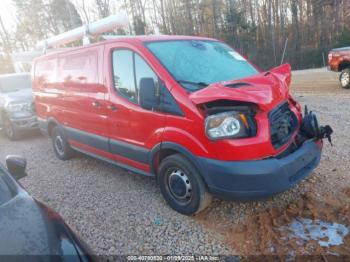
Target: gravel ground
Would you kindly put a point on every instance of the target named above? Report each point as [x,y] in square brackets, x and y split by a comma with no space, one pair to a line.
[115,211]
[118,212]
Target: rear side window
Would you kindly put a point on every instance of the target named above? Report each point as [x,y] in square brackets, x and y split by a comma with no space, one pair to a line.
[45,71]
[79,68]
[129,68]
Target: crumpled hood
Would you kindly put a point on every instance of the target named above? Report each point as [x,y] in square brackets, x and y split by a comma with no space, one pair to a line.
[265,89]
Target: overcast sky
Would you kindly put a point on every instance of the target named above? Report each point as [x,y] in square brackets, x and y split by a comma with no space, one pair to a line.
[7,12]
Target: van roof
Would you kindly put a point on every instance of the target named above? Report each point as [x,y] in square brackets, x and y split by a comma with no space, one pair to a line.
[150,38]
[140,39]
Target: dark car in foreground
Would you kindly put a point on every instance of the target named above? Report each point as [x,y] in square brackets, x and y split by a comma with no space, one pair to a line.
[339,61]
[29,230]
[17,112]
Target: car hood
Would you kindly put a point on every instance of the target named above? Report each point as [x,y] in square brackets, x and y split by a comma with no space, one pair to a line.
[266,89]
[20,95]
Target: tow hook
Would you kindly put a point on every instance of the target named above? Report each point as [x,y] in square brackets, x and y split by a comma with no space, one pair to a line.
[312,129]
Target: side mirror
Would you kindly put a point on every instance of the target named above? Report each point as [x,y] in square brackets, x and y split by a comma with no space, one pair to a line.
[148,93]
[16,165]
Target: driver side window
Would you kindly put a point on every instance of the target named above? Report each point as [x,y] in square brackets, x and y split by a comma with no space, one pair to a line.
[123,74]
[143,70]
[128,70]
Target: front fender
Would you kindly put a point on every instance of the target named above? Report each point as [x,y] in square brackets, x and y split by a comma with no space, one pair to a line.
[180,141]
[185,139]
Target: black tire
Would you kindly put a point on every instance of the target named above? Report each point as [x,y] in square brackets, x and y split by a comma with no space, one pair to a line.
[60,144]
[9,129]
[182,186]
[344,78]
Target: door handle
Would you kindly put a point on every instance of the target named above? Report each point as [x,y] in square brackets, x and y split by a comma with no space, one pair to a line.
[96,104]
[112,107]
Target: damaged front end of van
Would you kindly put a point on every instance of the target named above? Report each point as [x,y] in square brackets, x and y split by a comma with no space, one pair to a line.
[256,120]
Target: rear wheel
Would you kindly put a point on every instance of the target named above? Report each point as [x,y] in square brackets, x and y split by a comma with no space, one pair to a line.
[182,186]
[60,144]
[10,130]
[344,78]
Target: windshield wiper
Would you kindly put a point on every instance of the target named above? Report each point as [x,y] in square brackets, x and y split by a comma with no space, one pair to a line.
[192,83]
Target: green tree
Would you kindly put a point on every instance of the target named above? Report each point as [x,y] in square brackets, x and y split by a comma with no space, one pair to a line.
[103,7]
[40,19]
[344,38]
[65,15]
[32,25]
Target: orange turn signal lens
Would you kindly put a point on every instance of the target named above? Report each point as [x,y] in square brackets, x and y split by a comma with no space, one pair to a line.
[244,120]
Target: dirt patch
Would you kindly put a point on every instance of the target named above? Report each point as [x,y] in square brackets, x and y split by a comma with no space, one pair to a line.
[271,231]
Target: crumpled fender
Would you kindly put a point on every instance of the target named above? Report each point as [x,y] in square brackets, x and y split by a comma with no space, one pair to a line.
[283,72]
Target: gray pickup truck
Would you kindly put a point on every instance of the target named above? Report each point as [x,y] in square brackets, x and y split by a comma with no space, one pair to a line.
[17,112]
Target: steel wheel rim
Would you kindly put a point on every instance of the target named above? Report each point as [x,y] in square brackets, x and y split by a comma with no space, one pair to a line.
[344,79]
[59,145]
[179,186]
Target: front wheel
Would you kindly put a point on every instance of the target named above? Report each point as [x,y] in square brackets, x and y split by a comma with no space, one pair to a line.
[10,130]
[60,144]
[182,186]
[344,78]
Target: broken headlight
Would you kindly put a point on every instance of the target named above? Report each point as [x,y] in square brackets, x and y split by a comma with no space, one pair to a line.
[228,125]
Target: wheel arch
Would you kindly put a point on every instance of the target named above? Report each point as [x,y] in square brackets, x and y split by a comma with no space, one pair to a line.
[165,149]
[344,64]
[51,123]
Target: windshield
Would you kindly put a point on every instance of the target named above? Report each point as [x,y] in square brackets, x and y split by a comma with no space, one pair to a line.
[197,63]
[15,83]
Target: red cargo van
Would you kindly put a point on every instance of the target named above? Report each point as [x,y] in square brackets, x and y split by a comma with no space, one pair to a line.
[190,111]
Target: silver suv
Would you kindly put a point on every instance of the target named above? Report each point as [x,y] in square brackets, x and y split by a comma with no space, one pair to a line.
[17,112]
